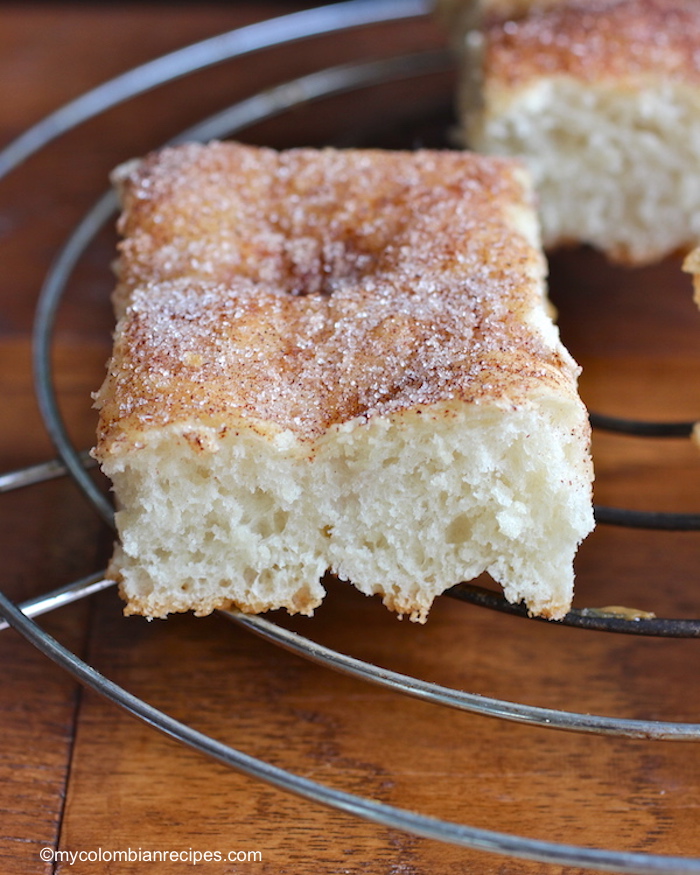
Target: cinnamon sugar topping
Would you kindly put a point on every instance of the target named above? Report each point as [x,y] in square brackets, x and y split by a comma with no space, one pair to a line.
[305,288]
[593,40]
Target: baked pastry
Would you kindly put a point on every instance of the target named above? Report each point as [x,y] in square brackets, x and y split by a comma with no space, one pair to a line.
[602,99]
[337,360]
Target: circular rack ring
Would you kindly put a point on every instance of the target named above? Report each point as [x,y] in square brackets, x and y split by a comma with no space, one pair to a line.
[376,812]
[549,718]
[598,619]
[641,428]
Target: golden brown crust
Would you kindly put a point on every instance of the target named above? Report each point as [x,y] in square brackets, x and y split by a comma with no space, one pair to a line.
[594,40]
[303,289]
[301,603]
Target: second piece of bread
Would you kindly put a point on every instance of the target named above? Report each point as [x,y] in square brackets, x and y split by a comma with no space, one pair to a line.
[602,99]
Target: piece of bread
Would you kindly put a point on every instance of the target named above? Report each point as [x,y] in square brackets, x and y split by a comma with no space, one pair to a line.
[602,99]
[337,360]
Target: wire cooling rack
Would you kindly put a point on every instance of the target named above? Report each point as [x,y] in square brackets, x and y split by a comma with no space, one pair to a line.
[233,120]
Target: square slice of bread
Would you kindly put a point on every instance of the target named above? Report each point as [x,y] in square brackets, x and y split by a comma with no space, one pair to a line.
[602,100]
[339,361]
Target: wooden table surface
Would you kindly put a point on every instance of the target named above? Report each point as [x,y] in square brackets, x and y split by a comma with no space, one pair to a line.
[78,775]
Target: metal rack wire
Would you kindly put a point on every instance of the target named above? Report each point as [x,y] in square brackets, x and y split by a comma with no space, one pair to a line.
[233,120]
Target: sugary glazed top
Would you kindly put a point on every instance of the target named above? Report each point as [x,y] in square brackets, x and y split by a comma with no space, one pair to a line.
[623,41]
[306,288]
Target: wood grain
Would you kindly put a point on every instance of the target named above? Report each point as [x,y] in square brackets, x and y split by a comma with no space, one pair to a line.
[78,775]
